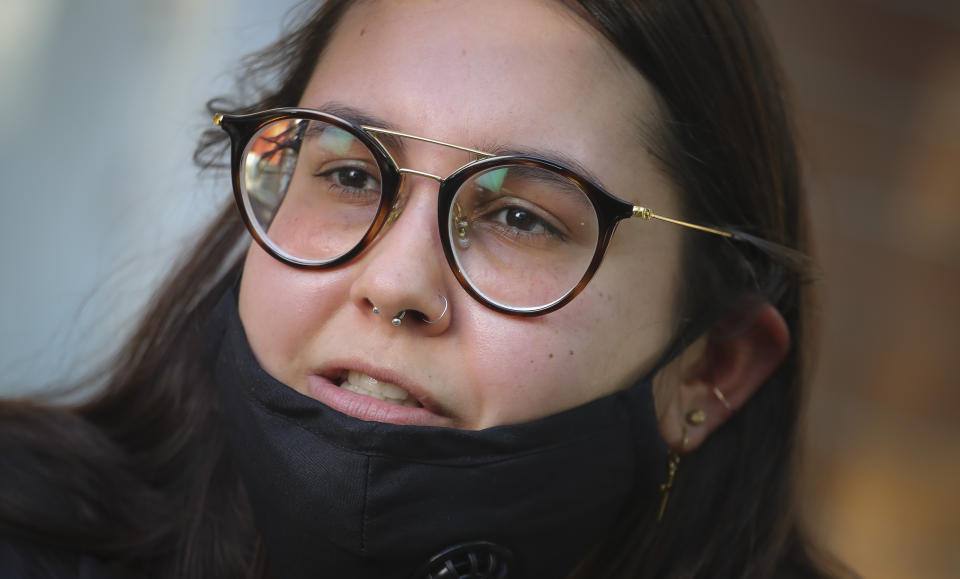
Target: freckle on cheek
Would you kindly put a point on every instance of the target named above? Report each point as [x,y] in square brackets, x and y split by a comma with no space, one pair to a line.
[571,352]
[551,354]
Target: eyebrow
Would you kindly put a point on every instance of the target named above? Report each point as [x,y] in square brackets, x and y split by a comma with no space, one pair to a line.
[551,154]
[560,183]
[361,117]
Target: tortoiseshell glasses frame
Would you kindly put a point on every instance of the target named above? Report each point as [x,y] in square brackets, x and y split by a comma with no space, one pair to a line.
[609,209]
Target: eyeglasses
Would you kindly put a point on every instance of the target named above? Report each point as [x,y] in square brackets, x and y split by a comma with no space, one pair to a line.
[522,234]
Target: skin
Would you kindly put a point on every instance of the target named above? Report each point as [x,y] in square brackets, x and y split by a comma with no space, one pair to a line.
[476,73]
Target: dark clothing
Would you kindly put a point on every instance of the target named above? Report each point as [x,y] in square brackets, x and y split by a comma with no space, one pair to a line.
[19,560]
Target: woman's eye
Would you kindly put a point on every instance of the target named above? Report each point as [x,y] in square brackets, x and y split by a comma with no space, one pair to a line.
[522,221]
[351,179]
[354,178]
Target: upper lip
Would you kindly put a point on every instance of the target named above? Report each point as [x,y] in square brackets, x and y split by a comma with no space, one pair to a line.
[335,370]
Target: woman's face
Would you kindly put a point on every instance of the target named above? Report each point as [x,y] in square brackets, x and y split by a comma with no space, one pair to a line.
[524,75]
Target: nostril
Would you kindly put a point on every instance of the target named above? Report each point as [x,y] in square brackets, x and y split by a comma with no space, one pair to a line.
[397,320]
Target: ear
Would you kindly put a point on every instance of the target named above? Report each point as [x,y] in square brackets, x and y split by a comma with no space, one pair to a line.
[719,373]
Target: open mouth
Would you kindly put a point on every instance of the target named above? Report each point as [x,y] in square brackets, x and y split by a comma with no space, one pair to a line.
[362,396]
[360,383]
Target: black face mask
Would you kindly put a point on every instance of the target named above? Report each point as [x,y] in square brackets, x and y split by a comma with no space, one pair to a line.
[334,496]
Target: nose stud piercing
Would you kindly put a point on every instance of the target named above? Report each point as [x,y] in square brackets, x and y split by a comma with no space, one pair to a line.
[376,310]
[398,319]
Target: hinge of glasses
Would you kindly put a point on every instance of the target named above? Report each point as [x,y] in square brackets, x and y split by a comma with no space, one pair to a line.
[642,212]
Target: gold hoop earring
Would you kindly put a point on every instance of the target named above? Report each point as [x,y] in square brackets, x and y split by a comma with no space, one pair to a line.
[722,399]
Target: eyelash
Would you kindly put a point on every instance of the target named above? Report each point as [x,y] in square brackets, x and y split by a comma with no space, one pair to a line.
[507,204]
[335,176]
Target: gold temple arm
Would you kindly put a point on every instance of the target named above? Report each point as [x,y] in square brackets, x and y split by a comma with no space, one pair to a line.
[646,214]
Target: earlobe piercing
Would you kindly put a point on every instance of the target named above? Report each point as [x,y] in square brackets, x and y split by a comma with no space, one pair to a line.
[446,304]
[722,399]
[696,417]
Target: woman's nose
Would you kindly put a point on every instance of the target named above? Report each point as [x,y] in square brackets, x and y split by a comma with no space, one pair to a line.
[403,276]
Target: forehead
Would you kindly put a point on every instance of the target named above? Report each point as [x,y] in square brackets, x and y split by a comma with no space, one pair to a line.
[529,72]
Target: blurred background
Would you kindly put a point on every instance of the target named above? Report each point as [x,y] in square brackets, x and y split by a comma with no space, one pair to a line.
[101,104]
[102,101]
[877,90]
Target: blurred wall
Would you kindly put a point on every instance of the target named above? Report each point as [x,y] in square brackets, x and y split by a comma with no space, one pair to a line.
[877,89]
[101,103]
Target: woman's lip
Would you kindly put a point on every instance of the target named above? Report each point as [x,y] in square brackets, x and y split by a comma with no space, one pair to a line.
[371,409]
[336,370]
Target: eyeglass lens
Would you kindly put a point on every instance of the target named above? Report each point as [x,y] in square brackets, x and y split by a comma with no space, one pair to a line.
[522,235]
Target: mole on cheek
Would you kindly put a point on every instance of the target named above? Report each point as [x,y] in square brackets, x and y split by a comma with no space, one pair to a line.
[571,352]
[551,354]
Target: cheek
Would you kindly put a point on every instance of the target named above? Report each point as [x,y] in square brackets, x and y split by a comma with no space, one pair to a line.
[281,307]
[526,368]
[624,318]
[536,367]
[608,337]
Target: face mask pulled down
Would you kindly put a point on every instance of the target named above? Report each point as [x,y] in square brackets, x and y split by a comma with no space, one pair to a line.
[334,496]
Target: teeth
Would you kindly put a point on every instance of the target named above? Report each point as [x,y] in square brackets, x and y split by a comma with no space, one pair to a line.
[389,390]
[361,383]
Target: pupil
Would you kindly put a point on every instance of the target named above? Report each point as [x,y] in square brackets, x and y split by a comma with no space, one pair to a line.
[354,178]
[520,218]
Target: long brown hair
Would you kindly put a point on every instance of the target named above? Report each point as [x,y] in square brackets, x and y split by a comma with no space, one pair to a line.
[138,475]
[724,138]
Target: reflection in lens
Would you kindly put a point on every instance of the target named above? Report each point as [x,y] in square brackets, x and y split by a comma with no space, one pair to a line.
[523,236]
[311,188]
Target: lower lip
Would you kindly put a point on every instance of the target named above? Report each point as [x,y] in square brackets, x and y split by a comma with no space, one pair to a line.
[369,408]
